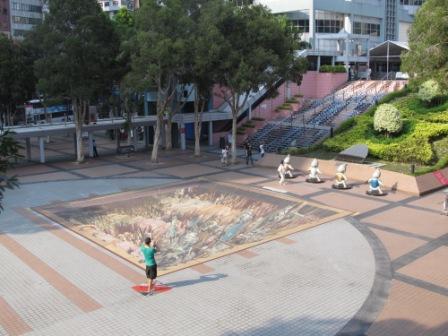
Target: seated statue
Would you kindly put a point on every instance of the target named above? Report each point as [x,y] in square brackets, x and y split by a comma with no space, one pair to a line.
[340,181]
[375,184]
[288,168]
[313,177]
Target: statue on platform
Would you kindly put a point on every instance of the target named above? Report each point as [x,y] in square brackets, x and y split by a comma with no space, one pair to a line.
[341,180]
[313,177]
[375,184]
[288,168]
[281,172]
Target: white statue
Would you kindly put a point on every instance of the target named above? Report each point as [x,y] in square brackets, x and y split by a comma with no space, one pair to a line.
[288,167]
[281,172]
[314,172]
[340,181]
[375,182]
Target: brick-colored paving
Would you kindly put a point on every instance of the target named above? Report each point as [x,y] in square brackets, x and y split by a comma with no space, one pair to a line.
[311,283]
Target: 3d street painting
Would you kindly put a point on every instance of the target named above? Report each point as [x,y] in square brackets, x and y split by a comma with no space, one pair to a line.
[191,220]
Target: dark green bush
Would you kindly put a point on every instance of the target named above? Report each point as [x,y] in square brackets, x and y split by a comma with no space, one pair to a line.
[332,68]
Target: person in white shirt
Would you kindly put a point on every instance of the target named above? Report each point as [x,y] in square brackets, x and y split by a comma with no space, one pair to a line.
[262,151]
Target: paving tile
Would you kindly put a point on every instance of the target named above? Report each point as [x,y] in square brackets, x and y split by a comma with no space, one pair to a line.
[433,201]
[31,170]
[104,171]
[75,165]
[430,268]
[188,170]
[234,177]
[348,202]
[57,176]
[301,189]
[396,244]
[412,311]
[410,220]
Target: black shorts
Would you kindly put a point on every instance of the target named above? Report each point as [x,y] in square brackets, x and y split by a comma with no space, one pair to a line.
[151,272]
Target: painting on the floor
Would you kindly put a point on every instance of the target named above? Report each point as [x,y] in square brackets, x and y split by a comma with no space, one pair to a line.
[188,221]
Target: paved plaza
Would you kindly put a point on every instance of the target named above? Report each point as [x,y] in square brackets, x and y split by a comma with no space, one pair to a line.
[378,270]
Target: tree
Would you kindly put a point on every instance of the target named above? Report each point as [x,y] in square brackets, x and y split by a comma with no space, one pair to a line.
[256,49]
[429,92]
[17,82]
[159,55]
[78,47]
[428,44]
[9,151]
[387,119]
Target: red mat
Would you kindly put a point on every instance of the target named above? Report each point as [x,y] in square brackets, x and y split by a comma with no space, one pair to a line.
[158,288]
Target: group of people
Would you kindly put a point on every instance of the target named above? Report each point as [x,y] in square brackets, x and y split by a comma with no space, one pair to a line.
[248,154]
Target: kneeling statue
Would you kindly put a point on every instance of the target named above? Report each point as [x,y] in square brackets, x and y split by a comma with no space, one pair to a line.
[375,184]
[313,177]
[340,181]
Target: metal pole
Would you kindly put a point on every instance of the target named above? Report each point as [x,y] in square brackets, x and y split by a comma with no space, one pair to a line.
[387,61]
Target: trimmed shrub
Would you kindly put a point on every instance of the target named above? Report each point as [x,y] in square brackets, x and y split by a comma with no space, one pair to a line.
[332,68]
[387,119]
[429,92]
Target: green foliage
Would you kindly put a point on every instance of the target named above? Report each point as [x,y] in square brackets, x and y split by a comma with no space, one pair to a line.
[429,91]
[428,54]
[387,119]
[77,46]
[332,68]
[421,127]
[9,151]
[17,82]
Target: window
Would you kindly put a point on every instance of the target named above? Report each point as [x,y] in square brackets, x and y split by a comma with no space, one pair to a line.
[411,2]
[26,20]
[329,22]
[364,28]
[302,26]
[23,7]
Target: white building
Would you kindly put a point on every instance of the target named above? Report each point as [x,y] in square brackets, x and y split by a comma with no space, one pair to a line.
[343,31]
[113,6]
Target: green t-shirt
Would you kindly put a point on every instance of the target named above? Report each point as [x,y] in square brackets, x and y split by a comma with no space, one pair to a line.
[148,252]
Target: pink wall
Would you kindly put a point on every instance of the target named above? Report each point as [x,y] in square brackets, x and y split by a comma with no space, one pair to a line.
[320,84]
[4,16]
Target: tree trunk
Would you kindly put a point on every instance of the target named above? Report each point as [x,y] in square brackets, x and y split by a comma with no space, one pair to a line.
[78,115]
[168,132]
[155,148]
[234,120]
[197,134]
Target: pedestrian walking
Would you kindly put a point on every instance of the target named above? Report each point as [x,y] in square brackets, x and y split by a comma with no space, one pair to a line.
[95,151]
[262,151]
[148,250]
[225,156]
[249,154]
[281,172]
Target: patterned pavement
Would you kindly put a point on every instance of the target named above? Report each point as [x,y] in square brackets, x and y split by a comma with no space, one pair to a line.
[381,271]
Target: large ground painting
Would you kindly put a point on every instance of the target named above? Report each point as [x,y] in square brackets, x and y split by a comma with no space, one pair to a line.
[190,221]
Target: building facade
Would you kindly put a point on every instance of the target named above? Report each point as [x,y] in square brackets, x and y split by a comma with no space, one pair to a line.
[4,17]
[343,31]
[111,7]
[24,15]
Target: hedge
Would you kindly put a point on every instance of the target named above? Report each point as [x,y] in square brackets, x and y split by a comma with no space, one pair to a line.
[332,68]
[421,127]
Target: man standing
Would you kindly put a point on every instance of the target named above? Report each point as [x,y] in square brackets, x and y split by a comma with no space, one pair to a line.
[249,154]
[95,152]
[148,250]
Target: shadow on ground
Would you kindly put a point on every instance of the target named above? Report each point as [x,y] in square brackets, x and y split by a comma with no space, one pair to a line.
[201,279]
